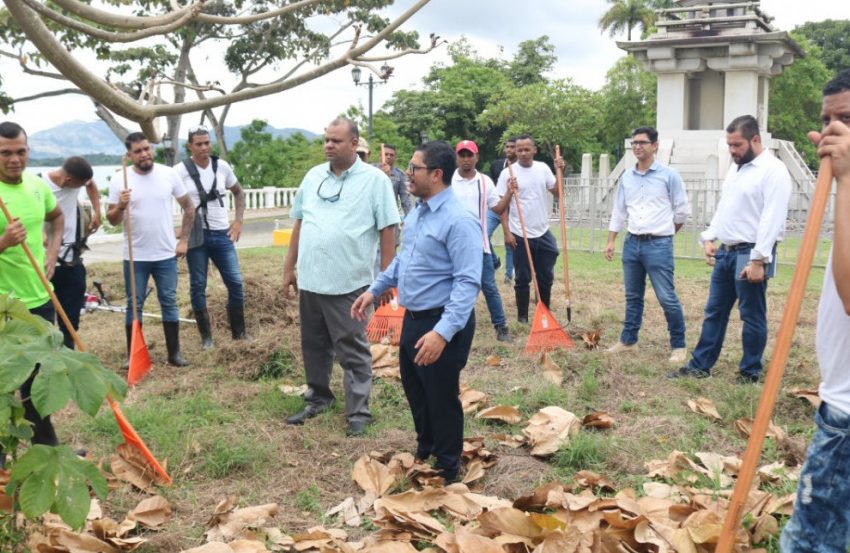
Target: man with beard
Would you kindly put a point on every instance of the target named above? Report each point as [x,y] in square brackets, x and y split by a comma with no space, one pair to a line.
[155,248]
[206,178]
[438,274]
[342,210]
[31,204]
[494,220]
[749,221]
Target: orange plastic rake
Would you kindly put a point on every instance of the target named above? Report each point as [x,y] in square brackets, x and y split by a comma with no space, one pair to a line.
[546,333]
[386,322]
[130,435]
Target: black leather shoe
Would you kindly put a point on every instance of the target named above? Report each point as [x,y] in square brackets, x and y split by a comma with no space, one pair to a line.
[356,428]
[502,334]
[747,379]
[449,476]
[308,413]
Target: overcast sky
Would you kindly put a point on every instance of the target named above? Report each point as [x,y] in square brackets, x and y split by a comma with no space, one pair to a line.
[584,54]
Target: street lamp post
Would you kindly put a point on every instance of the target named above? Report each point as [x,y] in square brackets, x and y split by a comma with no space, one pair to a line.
[356,72]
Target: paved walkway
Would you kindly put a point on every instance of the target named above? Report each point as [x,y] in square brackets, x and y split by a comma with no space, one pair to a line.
[256,232]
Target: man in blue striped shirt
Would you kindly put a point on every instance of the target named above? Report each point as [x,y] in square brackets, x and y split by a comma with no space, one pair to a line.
[652,198]
[341,209]
[438,274]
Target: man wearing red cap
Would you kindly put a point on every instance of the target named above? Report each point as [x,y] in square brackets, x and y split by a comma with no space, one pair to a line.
[477,193]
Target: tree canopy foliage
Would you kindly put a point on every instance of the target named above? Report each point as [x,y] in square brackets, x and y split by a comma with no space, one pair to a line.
[833,38]
[259,159]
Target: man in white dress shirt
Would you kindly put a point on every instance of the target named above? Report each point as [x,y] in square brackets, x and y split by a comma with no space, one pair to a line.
[749,222]
[652,198]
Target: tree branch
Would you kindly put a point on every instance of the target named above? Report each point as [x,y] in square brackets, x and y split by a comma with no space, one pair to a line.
[48,94]
[245,19]
[116,21]
[110,36]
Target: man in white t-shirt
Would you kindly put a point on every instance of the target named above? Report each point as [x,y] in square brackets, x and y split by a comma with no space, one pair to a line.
[155,247]
[532,180]
[821,519]
[69,278]
[477,194]
[214,176]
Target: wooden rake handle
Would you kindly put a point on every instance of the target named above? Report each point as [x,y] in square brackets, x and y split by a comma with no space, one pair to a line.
[129,226]
[559,174]
[776,369]
[524,233]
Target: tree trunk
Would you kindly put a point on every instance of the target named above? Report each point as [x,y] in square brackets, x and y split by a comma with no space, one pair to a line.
[175,153]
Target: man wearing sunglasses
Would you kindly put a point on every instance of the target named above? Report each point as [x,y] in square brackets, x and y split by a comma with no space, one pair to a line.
[652,198]
[342,210]
[206,178]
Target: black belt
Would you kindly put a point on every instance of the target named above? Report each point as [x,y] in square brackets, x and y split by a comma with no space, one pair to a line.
[425,313]
[646,236]
[736,247]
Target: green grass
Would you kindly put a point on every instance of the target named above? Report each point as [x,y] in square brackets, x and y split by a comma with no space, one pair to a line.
[308,500]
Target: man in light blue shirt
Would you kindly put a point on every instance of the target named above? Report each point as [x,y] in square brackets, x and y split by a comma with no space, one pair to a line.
[652,198]
[438,275]
[341,209]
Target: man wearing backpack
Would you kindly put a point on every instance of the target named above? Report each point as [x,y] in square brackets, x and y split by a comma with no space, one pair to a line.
[206,179]
[652,198]
[69,278]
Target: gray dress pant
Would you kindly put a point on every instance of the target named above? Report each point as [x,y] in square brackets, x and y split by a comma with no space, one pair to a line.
[328,331]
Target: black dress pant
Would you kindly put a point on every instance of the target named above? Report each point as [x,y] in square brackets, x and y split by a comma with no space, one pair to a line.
[69,283]
[43,432]
[433,391]
[544,254]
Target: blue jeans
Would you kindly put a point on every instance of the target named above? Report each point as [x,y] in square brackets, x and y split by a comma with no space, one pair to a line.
[164,273]
[493,223]
[724,290]
[219,249]
[821,520]
[491,292]
[653,257]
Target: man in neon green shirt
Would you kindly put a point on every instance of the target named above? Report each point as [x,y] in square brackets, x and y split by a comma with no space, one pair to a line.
[31,203]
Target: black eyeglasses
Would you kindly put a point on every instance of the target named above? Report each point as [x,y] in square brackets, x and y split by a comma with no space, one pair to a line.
[335,197]
[412,168]
[640,143]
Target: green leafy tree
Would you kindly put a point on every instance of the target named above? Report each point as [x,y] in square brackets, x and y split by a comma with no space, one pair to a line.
[384,131]
[833,38]
[259,159]
[532,60]
[48,478]
[627,15]
[557,113]
[795,99]
[628,101]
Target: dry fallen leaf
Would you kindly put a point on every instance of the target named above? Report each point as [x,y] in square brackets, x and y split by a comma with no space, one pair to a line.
[810,395]
[493,361]
[550,429]
[347,512]
[288,390]
[589,479]
[472,400]
[228,522]
[704,406]
[599,420]
[502,413]
[745,428]
[390,373]
[373,476]
[591,339]
[551,371]
[152,512]
[384,356]
[512,441]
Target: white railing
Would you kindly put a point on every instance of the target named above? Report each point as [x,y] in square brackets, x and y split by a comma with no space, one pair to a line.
[268,197]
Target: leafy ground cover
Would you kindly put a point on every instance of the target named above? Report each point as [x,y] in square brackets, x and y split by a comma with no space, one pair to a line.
[220,422]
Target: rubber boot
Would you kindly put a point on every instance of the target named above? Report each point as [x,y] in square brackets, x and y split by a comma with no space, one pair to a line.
[129,330]
[236,316]
[202,318]
[522,297]
[172,343]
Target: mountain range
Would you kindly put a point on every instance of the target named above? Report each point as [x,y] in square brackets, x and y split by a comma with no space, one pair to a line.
[77,138]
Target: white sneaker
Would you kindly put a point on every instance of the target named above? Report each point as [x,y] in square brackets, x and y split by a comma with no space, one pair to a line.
[620,347]
[678,356]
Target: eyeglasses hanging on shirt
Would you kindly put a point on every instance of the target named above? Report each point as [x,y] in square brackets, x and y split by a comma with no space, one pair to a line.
[335,197]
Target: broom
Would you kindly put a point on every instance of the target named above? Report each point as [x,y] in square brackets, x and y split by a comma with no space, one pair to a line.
[546,334]
[130,435]
[767,402]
